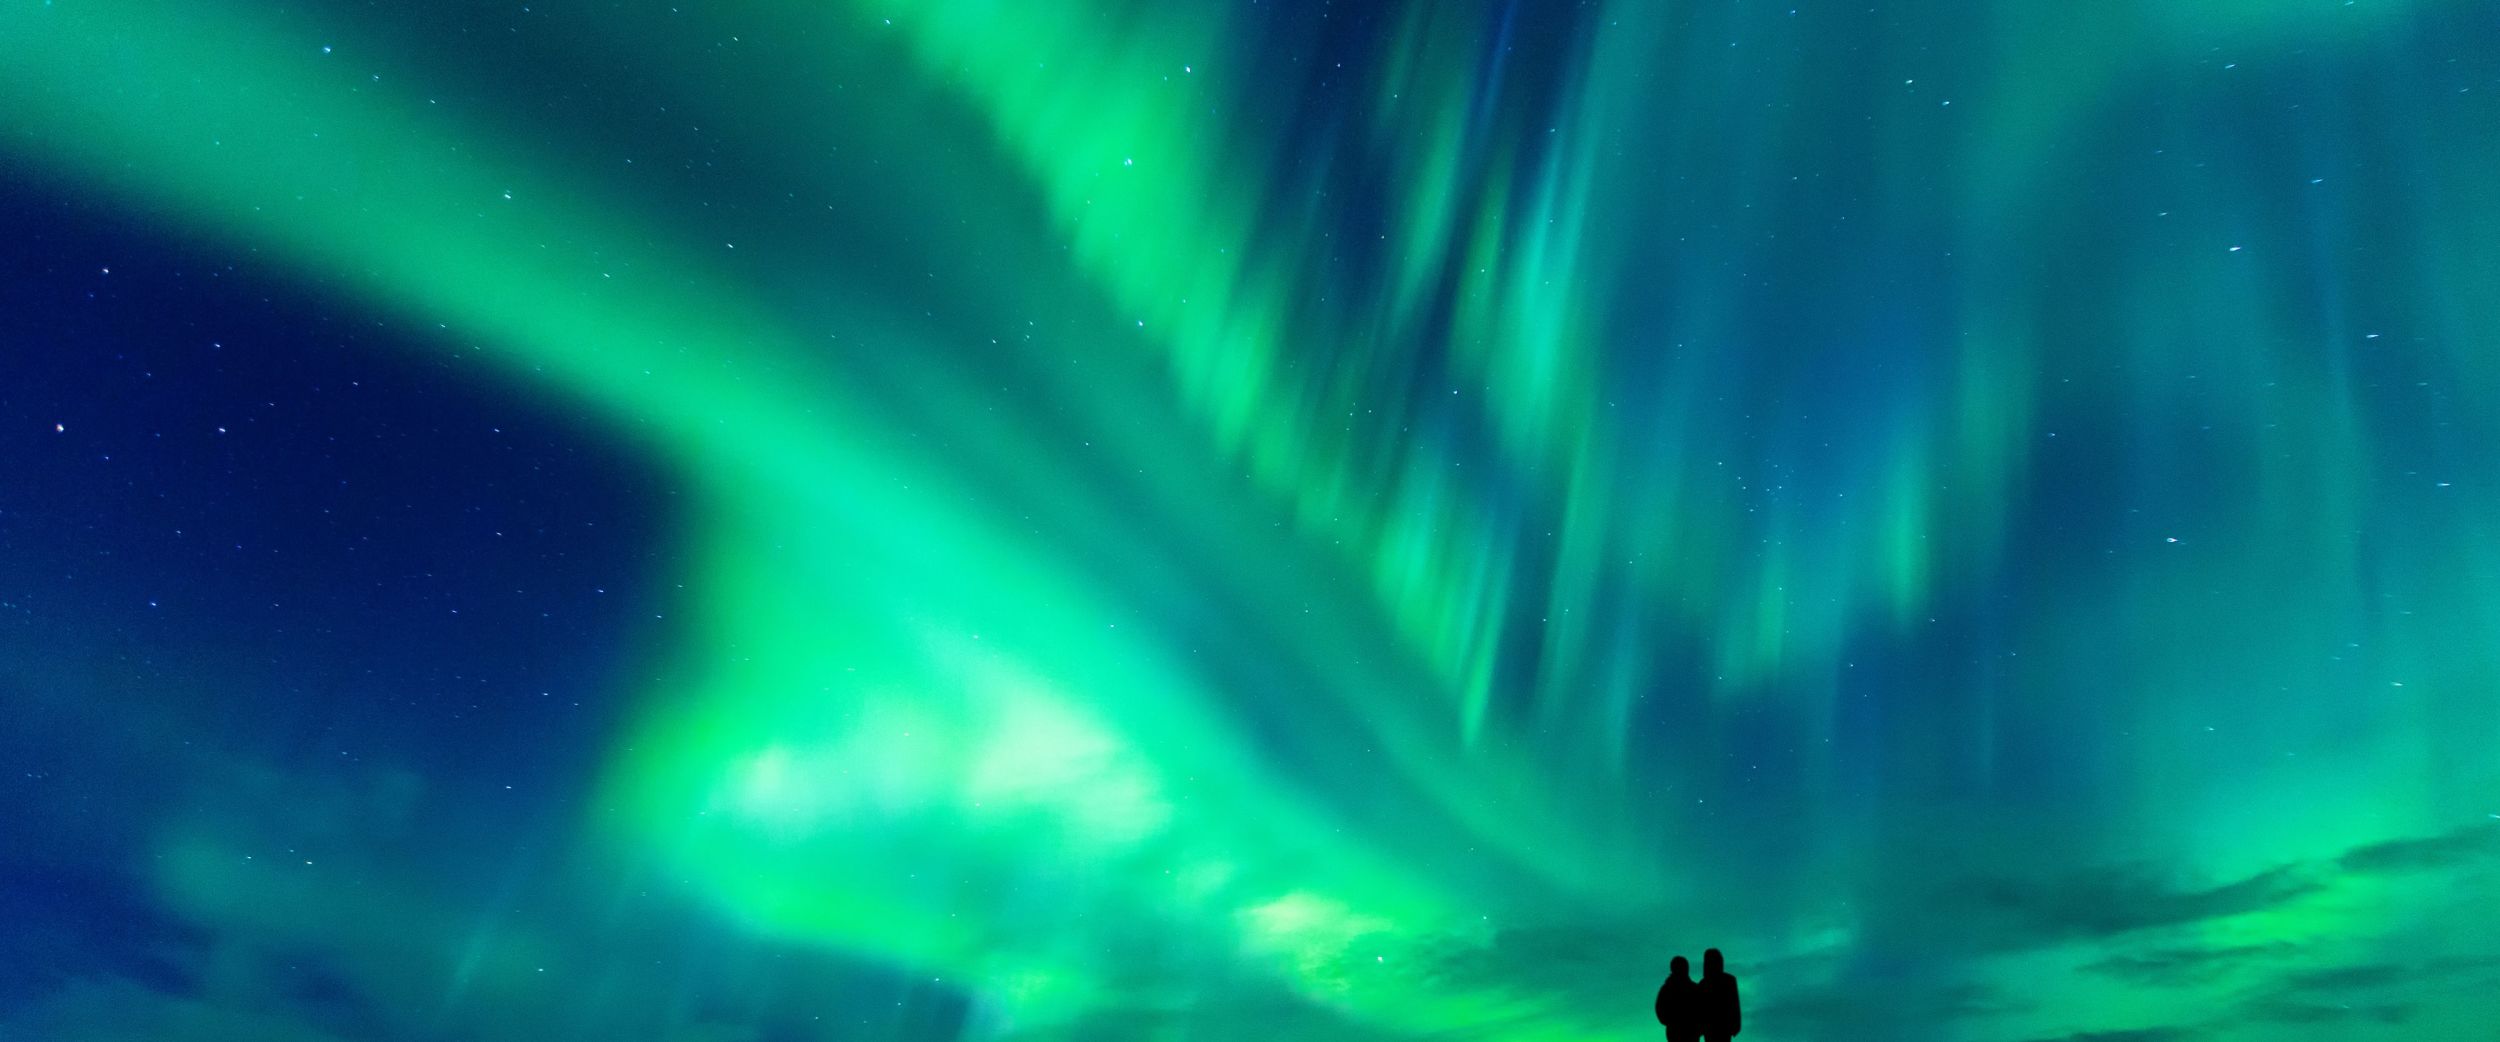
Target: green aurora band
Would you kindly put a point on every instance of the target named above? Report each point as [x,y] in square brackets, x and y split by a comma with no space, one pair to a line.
[1182,532]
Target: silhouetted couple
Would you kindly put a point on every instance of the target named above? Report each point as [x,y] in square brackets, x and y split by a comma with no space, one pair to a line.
[1703,1009]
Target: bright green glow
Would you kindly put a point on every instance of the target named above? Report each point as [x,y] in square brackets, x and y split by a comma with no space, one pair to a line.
[947,778]
[952,695]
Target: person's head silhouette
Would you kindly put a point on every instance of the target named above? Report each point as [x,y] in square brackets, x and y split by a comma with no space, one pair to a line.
[1713,963]
[1681,967]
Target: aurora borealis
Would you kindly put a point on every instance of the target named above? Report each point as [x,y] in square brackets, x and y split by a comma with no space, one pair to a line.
[759,522]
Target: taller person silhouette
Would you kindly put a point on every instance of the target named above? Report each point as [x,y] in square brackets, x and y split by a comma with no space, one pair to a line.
[1720,1015]
[1678,1011]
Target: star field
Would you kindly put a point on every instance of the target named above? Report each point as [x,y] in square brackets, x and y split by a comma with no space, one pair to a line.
[960,520]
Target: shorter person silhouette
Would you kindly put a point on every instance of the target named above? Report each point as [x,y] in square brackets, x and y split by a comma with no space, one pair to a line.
[1714,999]
[1678,1009]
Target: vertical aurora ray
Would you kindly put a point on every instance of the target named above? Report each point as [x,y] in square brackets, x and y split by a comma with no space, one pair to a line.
[1392,522]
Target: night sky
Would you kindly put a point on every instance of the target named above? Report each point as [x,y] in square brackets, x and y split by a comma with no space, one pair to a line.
[1158,521]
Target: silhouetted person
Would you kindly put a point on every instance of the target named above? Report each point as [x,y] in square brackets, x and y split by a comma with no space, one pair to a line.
[1714,999]
[1679,1010]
